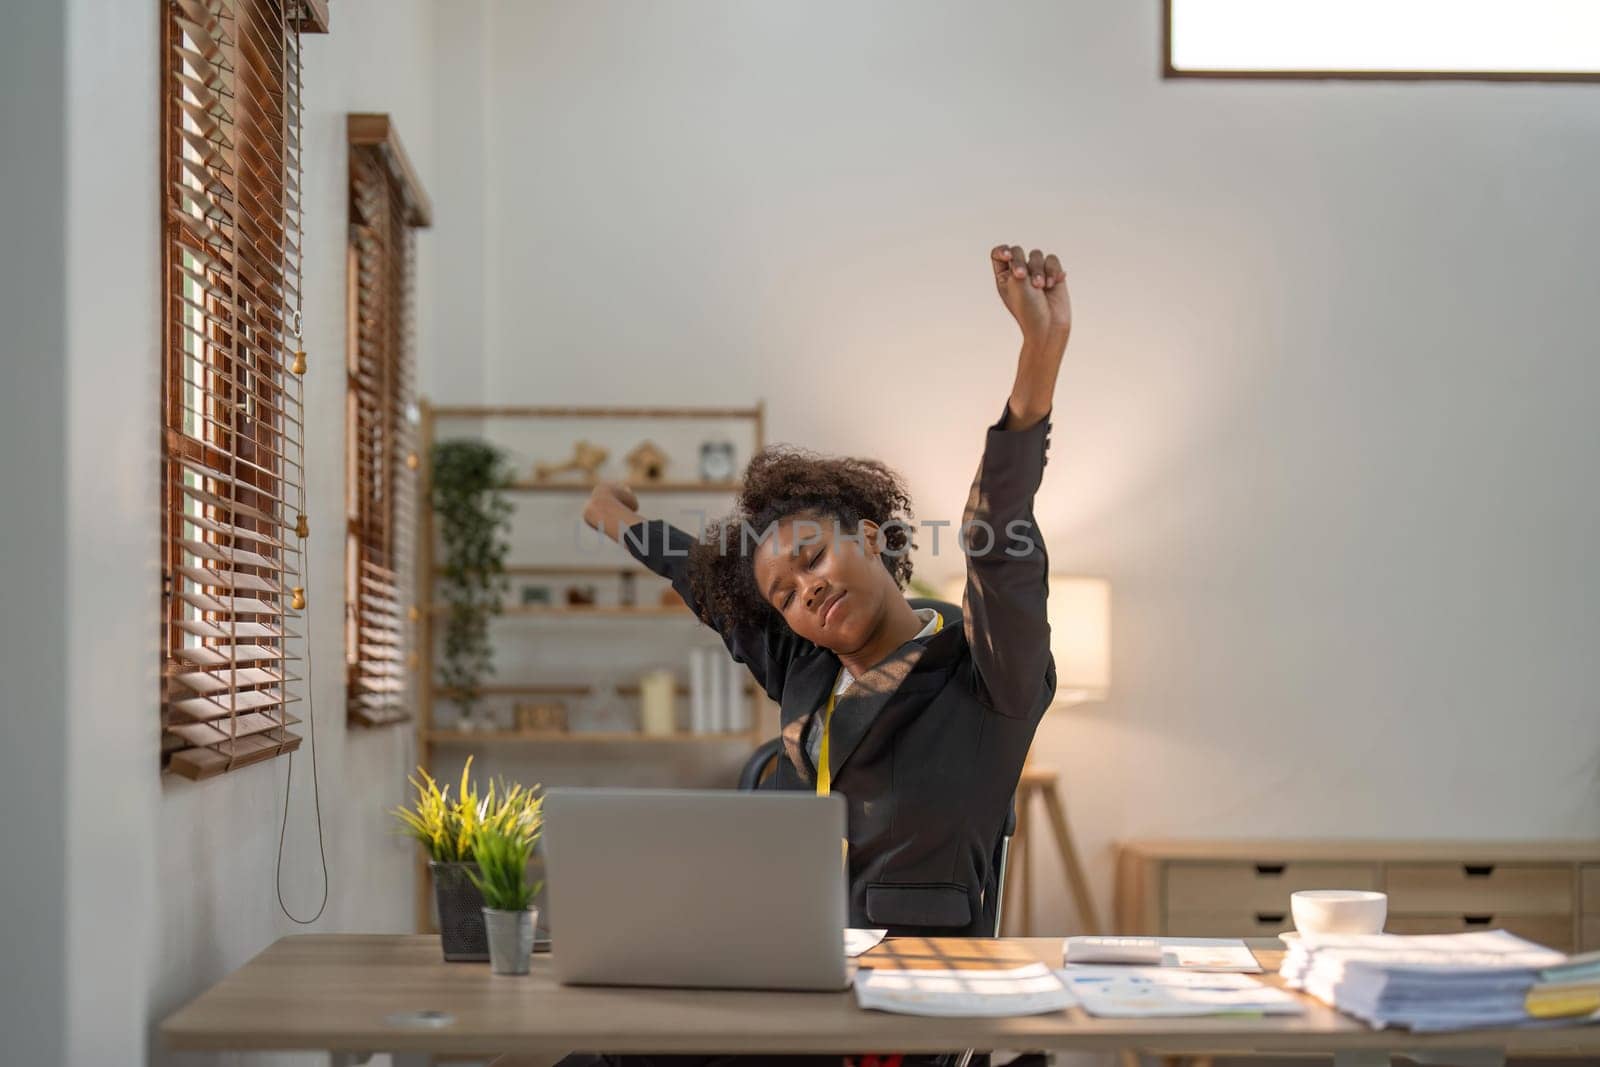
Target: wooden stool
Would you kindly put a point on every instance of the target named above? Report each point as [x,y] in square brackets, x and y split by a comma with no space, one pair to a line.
[1042,783]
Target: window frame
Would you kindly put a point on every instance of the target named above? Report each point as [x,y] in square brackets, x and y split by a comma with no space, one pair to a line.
[1171,72]
[387,206]
[230,246]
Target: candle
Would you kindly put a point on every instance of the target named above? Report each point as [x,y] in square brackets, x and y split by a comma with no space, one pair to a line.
[658,692]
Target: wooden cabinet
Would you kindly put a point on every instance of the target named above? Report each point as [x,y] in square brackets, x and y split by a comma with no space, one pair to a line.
[1589,933]
[1546,892]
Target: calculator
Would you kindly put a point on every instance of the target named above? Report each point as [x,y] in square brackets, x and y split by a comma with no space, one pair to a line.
[1143,951]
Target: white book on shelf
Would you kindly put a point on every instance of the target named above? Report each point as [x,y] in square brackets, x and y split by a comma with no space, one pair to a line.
[700,666]
[719,668]
[737,707]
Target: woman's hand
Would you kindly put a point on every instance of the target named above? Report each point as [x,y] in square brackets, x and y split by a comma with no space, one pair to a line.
[1033,288]
[612,507]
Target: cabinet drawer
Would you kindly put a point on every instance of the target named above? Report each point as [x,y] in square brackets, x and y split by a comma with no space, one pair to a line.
[1591,892]
[1591,935]
[1237,888]
[1441,888]
[1229,923]
[1552,930]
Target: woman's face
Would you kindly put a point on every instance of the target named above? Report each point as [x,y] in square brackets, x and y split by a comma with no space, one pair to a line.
[827,583]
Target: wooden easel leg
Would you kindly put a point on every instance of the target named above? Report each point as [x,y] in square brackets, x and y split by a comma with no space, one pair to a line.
[1069,858]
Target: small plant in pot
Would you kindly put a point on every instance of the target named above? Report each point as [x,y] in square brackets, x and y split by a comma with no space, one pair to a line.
[473,513]
[508,911]
[448,828]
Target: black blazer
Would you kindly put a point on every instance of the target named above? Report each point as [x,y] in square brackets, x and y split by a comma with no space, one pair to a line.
[927,747]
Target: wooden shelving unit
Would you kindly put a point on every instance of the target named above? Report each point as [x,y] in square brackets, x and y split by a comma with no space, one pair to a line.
[428,614]
[428,573]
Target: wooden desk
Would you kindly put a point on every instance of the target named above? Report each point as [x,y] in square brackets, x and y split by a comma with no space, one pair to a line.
[343,992]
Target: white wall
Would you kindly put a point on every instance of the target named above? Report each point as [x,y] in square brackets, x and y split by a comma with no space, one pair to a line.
[33,628]
[139,892]
[1329,416]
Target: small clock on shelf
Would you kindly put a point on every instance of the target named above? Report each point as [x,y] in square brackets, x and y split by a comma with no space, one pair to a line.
[716,461]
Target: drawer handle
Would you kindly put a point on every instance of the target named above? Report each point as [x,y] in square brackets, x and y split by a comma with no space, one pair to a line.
[1269,918]
[1477,920]
[1478,870]
[1269,870]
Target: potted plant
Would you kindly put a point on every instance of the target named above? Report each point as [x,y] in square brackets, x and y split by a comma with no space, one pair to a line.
[469,502]
[508,911]
[448,829]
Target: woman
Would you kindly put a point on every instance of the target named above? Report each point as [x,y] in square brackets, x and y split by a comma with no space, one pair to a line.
[922,726]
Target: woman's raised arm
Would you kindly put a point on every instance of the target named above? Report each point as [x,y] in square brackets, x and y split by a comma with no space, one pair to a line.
[665,549]
[1008,569]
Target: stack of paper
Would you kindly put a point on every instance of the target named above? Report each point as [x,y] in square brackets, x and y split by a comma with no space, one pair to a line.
[1570,988]
[1030,990]
[718,702]
[1427,982]
[1120,992]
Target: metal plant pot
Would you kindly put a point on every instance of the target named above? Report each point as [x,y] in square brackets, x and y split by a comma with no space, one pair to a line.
[458,913]
[510,939]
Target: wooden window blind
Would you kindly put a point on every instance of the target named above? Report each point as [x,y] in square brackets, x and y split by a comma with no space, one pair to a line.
[386,206]
[233,441]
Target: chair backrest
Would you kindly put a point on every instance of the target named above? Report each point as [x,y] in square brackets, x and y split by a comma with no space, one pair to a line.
[760,763]
[997,871]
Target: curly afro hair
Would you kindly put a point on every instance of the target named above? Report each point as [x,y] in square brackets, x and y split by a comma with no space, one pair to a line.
[780,482]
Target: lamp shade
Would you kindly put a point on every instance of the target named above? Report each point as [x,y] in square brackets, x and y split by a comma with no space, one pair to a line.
[1080,637]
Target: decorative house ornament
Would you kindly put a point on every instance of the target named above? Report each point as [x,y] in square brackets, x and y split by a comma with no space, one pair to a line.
[717,462]
[646,463]
[586,460]
[542,717]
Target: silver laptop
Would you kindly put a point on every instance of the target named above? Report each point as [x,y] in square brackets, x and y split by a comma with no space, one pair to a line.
[730,890]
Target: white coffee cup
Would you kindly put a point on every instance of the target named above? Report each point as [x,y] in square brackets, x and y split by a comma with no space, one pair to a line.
[1339,911]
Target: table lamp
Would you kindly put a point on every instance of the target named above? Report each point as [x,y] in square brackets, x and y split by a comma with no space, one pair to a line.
[1080,638]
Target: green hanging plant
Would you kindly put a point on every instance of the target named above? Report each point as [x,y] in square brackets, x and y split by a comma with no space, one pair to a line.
[473,514]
